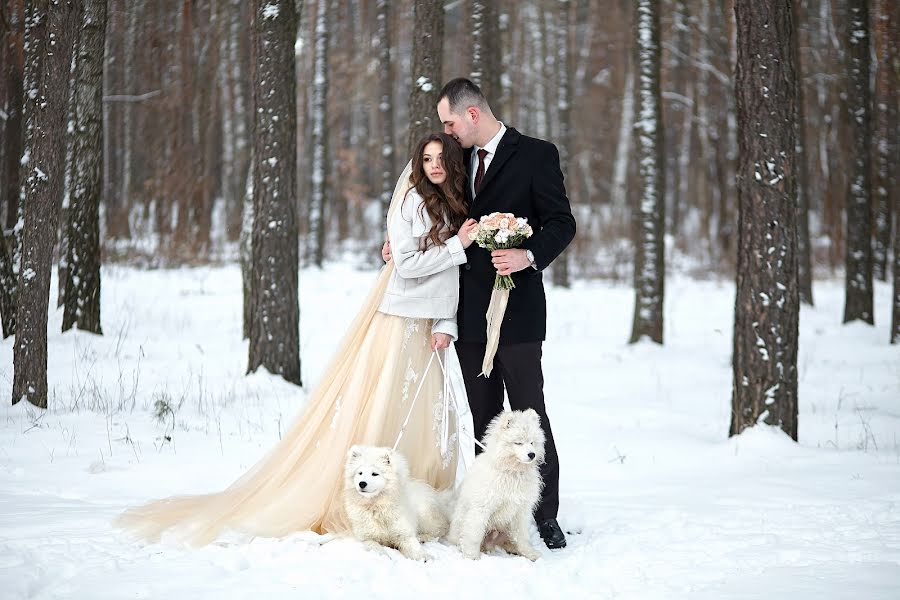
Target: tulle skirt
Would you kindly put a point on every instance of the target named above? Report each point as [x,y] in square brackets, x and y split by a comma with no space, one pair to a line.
[363,397]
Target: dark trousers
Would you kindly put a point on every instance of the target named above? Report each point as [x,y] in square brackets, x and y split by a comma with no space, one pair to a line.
[518,368]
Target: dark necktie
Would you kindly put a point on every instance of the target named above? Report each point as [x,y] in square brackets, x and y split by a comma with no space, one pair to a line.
[479,174]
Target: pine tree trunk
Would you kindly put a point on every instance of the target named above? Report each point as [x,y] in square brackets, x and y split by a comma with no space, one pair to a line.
[13,61]
[47,23]
[885,131]
[486,53]
[564,137]
[764,386]
[275,310]
[858,289]
[649,268]
[382,41]
[426,64]
[13,74]
[804,260]
[315,247]
[82,296]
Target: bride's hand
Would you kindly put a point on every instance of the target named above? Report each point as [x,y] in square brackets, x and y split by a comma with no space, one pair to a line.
[386,251]
[465,229]
[440,341]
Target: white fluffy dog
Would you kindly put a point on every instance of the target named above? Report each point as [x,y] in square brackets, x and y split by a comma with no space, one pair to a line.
[500,492]
[387,508]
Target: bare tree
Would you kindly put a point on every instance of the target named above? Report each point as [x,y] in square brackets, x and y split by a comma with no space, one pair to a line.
[804,259]
[858,264]
[275,310]
[382,43]
[486,53]
[564,64]
[82,295]
[764,385]
[13,13]
[49,34]
[885,131]
[425,83]
[315,247]
[649,267]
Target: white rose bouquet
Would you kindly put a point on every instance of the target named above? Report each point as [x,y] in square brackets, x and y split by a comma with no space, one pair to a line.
[498,231]
[501,231]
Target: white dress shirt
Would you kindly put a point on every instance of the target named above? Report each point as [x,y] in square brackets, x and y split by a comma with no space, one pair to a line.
[491,148]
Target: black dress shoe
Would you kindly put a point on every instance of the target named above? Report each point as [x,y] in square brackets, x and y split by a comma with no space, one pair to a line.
[551,534]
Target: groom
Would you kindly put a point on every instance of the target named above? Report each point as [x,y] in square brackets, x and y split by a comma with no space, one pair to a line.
[509,172]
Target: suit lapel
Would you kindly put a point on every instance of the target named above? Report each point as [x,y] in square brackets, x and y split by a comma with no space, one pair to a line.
[505,149]
[467,160]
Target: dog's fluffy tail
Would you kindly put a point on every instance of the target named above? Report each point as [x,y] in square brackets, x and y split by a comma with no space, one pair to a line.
[446,500]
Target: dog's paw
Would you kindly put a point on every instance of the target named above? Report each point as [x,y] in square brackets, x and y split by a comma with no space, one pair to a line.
[531,554]
[471,553]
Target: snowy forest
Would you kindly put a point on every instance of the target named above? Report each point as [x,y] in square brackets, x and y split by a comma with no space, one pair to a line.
[224,168]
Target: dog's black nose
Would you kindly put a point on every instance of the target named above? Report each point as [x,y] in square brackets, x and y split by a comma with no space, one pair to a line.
[362,485]
[531,455]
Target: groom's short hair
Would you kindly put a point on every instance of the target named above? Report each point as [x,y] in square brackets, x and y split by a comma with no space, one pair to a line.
[461,93]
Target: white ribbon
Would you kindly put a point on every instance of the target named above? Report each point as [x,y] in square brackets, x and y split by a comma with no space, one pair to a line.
[448,398]
[494,316]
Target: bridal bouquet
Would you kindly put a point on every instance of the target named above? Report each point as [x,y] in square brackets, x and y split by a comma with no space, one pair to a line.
[498,231]
[501,231]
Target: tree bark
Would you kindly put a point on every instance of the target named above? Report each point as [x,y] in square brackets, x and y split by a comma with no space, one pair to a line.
[49,33]
[275,310]
[764,386]
[649,268]
[564,138]
[315,248]
[486,54]
[82,292]
[13,61]
[885,131]
[382,42]
[858,256]
[425,81]
[804,260]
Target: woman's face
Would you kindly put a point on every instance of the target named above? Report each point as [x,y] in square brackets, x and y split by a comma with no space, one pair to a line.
[433,164]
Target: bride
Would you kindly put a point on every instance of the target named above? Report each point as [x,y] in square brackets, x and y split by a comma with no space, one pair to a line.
[367,391]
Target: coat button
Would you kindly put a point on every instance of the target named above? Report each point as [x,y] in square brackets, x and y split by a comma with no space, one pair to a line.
[468,267]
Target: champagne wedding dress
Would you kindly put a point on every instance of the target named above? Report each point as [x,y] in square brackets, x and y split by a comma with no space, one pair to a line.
[363,397]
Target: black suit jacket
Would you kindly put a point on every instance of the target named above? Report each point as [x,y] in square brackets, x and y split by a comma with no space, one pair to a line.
[524,178]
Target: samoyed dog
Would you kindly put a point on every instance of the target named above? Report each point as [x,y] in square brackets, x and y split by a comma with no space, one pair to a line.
[387,508]
[500,491]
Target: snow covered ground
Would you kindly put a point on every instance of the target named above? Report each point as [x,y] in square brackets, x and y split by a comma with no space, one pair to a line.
[660,503]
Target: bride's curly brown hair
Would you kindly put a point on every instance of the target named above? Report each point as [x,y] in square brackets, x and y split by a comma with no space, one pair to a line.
[445,203]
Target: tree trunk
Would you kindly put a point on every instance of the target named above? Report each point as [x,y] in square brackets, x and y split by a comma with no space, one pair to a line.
[49,33]
[425,70]
[82,295]
[382,41]
[764,386]
[315,247]
[649,266]
[564,138]
[858,256]
[275,310]
[13,73]
[804,260]
[885,131]
[485,31]
[13,61]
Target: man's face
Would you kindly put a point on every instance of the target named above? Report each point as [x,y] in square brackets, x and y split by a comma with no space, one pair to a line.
[461,127]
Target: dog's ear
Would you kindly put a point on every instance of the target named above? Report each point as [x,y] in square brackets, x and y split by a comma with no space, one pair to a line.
[506,419]
[532,414]
[354,452]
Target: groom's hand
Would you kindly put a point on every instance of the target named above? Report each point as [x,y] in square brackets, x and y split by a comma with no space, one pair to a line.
[509,261]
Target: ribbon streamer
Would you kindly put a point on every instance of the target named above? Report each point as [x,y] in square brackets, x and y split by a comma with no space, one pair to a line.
[496,310]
